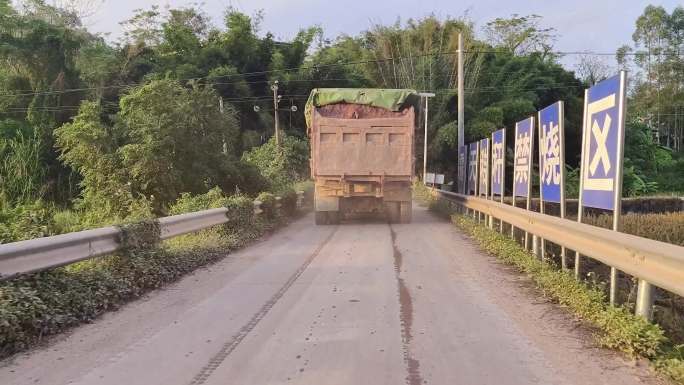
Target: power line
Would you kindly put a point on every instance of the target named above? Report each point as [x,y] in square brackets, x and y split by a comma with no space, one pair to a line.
[304,68]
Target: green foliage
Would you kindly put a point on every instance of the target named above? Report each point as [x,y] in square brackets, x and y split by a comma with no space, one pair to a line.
[667,227]
[21,172]
[89,147]
[188,203]
[656,66]
[240,207]
[26,221]
[175,141]
[280,165]
[139,236]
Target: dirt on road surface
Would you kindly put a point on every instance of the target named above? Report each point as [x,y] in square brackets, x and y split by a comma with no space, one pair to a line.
[358,303]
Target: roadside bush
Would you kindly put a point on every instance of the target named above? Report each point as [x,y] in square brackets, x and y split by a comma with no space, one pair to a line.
[26,221]
[283,165]
[288,200]
[667,227]
[188,203]
[67,221]
[240,211]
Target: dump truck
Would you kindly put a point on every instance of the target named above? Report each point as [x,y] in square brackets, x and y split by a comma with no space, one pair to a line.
[362,152]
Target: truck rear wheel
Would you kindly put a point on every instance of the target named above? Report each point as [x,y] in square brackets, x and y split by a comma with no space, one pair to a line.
[327,217]
[333,217]
[393,212]
[405,212]
[321,218]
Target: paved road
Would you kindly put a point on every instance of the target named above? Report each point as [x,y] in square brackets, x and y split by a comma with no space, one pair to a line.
[359,303]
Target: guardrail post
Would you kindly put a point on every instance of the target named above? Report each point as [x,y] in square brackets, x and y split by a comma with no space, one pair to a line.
[645,299]
[535,246]
[278,205]
[300,199]
[257,208]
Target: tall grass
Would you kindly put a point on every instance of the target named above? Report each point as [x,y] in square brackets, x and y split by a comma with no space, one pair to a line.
[21,173]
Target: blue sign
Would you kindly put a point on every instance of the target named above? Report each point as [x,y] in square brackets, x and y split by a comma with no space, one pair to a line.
[472,168]
[603,139]
[484,167]
[462,164]
[522,160]
[498,161]
[551,152]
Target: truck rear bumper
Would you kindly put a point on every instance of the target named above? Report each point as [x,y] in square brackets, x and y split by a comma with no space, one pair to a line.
[360,194]
[389,188]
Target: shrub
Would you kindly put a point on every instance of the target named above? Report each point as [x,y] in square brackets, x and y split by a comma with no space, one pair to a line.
[240,211]
[288,201]
[188,203]
[67,221]
[28,221]
[283,165]
[667,227]
[268,204]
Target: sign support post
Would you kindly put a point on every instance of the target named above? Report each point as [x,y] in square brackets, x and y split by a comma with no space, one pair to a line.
[484,175]
[601,171]
[580,208]
[473,170]
[522,166]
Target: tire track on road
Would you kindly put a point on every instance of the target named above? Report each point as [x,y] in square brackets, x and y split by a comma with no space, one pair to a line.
[413,376]
[231,345]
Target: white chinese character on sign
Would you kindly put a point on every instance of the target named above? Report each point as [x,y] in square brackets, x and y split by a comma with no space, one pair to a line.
[550,148]
[522,154]
[472,166]
[497,161]
[484,160]
[599,135]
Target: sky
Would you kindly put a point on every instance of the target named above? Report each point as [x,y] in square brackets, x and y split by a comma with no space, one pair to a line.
[594,25]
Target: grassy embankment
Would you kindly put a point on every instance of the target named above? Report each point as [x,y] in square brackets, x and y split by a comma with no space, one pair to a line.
[38,305]
[616,327]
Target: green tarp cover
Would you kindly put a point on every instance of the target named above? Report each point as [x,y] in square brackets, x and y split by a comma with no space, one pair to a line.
[390,99]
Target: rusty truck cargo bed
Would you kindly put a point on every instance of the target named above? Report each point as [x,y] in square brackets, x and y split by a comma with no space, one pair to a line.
[352,140]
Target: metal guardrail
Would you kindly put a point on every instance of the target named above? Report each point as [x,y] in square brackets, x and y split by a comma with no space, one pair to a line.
[659,263]
[39,254]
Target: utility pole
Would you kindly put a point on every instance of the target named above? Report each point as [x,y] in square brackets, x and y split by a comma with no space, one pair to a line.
[461,131]
[291,110]
[425,95]
[276,99]
[225,144]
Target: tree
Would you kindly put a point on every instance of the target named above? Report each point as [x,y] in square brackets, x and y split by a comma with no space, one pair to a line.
[177,141]
[659,85]
[144,28]
[98,65]
[89,147]
[520,35]
[592,69]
